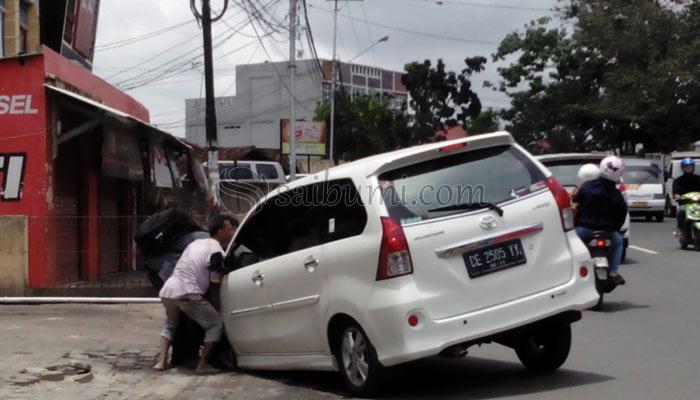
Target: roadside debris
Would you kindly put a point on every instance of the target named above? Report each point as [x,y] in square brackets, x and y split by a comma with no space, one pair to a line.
[79,371]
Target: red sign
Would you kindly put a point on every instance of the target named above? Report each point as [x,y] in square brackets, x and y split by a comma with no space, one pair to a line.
[24,152]
[86,27]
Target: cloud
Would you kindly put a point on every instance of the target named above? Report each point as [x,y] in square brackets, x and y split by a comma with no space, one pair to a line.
[404,21]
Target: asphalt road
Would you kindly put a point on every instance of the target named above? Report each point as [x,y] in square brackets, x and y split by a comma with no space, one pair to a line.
[644,344]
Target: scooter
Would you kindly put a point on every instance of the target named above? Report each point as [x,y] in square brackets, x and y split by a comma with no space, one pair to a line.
[599,244]
[690,234]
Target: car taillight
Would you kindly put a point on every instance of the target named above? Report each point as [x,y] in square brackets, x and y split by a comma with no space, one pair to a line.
[394,257]
[600,243]
[563,202]
[621,187]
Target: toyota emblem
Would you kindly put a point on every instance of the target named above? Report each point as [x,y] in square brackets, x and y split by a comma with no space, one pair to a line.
[488,222]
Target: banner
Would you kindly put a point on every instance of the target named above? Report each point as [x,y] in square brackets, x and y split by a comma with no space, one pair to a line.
[161,174]
[121,154]
[310,138]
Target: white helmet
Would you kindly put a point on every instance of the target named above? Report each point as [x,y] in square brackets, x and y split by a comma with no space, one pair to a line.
[612,168]
[588,172]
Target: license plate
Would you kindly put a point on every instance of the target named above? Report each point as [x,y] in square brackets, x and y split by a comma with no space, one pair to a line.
[640,204]
[494,258]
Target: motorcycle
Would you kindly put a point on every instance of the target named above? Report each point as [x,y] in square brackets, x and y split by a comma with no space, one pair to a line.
[599,244]
[690,233]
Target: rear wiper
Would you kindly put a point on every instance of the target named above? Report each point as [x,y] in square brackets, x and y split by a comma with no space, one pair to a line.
[470,206]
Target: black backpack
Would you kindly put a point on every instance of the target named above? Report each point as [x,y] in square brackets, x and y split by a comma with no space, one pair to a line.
[161,231]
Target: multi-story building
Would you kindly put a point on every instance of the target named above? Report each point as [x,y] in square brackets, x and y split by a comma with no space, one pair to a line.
[252,117]
[67,27]
[19,27]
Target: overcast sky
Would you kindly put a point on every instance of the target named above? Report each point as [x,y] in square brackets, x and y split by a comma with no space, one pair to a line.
[164,31]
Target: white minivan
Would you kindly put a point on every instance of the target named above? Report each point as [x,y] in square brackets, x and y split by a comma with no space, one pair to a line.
[644,182]
[404,255]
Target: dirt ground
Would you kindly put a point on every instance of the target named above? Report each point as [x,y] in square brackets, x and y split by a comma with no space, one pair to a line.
[120,343]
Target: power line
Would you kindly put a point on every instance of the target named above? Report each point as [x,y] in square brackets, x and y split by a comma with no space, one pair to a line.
[136,81]
[369,33]
[312,43]
[139,38]
[411,32]
[273,67]
[471,4]
[177,45]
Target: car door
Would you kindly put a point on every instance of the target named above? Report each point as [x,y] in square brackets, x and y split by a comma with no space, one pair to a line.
[295,281]
[243,298]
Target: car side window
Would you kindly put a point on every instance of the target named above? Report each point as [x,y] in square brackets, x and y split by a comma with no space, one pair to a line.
[267,171]
[344,215]
[285,223]
[231,172]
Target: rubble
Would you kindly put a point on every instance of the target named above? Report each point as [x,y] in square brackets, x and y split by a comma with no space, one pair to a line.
[43,374]
[83,378]
[23,380]
[73,367]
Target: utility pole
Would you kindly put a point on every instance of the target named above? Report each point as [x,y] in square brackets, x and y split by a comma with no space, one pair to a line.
[333,79]
[334,74]
[210,108]
[292,89]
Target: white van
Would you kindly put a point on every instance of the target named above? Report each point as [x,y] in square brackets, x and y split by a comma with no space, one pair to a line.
[644,183]
[400,256]
[249,171]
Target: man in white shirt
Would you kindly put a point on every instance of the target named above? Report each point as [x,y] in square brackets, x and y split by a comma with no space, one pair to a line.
[185,288]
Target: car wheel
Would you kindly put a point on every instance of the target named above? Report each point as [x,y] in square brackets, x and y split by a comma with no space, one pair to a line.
[357,362]
[647,218]
[696,237]
[545,349]
[660,217]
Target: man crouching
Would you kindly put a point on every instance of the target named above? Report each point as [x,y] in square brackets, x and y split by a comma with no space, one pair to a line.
[185,288]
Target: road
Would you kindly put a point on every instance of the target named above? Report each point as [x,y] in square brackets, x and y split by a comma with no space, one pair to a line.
[642,345]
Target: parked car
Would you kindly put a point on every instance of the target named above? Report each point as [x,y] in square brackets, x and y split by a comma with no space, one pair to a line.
[672,172]
[644,183]
[288,177]
[359,268]
[565,168]
[247,171]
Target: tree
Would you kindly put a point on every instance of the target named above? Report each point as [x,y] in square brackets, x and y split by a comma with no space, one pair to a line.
[439,97]
[364,126]
[486,121]
[627,73]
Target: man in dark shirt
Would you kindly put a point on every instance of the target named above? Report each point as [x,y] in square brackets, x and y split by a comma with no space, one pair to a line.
[686,183]
[601,207]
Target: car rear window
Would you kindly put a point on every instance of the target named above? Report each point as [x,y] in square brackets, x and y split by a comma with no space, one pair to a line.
[492,175]
[566,172]
[642,175]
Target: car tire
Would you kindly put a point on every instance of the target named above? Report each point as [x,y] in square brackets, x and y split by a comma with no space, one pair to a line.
[696,239]
[546,348]
[357,362]
[648,217]
[660,217]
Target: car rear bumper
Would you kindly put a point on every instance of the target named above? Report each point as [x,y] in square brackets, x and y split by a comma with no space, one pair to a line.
[393,301]
[643,207]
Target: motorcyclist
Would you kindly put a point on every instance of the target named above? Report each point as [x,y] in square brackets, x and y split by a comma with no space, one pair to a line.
[601,207]
[686,183]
